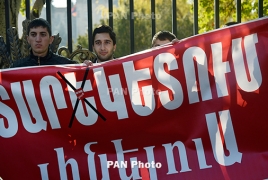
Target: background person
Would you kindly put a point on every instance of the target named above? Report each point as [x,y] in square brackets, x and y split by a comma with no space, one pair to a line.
[104,43]
[39,37]
[163,37]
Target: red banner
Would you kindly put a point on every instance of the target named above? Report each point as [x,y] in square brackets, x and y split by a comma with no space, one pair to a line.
[193,110]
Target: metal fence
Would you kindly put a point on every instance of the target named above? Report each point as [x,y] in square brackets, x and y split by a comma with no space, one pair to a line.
[131,20]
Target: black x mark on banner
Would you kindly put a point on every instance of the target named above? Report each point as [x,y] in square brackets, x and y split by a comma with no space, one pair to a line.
[80,93]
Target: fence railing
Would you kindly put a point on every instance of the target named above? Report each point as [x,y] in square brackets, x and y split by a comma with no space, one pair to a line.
[90,25]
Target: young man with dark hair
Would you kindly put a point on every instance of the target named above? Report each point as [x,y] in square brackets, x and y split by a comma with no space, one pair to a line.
[103,43]
[163,37]
[39,37]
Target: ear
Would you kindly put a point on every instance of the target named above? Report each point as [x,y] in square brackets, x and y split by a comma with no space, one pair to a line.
[51,39]
[114,47]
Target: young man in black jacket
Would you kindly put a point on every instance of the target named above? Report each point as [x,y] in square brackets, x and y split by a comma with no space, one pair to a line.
[39,37]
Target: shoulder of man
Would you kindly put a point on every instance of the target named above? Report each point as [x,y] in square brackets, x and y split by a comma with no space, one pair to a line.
[62,60]
[22,62]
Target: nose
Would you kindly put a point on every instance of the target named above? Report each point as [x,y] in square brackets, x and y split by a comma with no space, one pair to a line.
[102,46]
[38,38]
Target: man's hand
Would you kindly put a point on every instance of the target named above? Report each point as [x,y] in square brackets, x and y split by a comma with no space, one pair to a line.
[174,41]
[88,63]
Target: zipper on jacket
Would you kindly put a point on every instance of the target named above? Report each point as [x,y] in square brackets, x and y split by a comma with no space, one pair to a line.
[38,60]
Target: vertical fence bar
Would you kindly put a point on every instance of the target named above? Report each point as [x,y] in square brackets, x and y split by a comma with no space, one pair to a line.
[153,19]
[48,11]
[69,25]
[89,24]
[238,11]
[174,17]
[131,10]
[28,9]
[195,17]
[7,19]
[111,17]
[216,14]
[260,8]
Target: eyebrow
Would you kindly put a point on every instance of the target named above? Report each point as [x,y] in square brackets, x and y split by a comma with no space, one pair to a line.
[105,40]
[43,32]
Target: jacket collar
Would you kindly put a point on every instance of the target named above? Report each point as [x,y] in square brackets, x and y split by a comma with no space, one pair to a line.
[47,56]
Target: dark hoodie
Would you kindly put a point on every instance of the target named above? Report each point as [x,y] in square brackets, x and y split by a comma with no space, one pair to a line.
[49,59]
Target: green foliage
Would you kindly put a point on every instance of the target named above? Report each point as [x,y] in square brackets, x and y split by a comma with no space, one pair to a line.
[184,19]
[122,28]
[265,8]
[227,8]
[82,40]
[23,7]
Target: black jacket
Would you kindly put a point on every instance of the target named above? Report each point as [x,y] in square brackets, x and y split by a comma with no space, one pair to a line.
[49,59]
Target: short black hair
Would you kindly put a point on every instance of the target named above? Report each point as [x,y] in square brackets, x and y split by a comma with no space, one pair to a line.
[231,23]
[37,22]
[163,35]
[104,29]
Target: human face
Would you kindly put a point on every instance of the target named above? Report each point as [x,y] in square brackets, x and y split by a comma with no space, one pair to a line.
[39,40]
[103,47]
[159,42]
